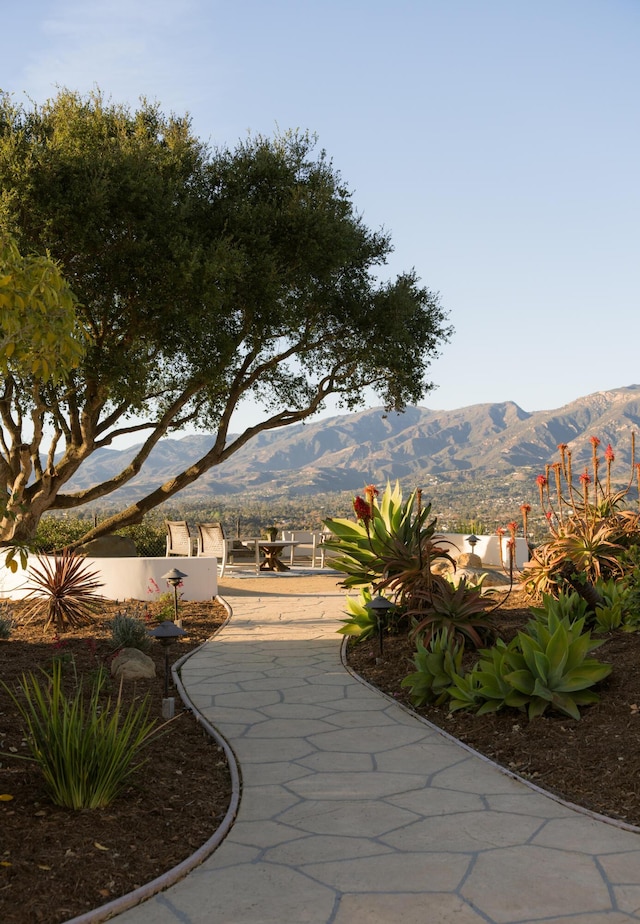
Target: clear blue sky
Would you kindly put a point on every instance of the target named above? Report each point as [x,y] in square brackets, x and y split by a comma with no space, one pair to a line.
[498,141]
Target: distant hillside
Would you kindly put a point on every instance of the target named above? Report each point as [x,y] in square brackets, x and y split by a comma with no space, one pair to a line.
[419,447]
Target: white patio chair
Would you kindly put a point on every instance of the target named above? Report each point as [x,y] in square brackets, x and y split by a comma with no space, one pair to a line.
[322,552]
[179,539]
[307,550]
[211,542]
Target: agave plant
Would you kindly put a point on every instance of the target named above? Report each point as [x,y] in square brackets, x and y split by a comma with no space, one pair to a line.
[362,623]
[436,664]
[64,591]
[549,666]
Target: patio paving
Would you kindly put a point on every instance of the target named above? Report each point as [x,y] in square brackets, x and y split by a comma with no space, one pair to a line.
[353,810]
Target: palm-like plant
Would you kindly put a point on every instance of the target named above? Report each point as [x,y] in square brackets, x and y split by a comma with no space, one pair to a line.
[64,591]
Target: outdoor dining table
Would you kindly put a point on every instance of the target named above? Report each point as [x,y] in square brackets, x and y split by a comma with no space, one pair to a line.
[271,551]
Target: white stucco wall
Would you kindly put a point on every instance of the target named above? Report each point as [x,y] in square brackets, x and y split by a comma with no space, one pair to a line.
[488,548]
[132,578]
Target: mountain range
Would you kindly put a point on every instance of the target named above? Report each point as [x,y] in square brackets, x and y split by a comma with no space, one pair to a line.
[419,446]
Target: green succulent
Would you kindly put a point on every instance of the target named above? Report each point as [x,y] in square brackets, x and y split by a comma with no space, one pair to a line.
[492,685]
[436,666]
[362,622]
[567,604]
[460,608]
[550,667]
[392,550]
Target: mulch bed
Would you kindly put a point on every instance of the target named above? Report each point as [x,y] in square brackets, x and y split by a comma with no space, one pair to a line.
[57,863]
[593,762]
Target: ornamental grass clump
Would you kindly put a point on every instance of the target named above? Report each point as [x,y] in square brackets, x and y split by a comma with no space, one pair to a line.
[85,748]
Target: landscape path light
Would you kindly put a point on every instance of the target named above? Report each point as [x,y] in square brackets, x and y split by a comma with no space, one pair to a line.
[174,577]
[473,541]
[166,633]
[380,607]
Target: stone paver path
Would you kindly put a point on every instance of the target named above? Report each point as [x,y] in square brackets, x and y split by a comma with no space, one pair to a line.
[355,812]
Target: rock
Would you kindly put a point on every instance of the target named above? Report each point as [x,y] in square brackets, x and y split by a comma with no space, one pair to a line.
[469,560]
[109,547]
[491,578]
[133,664]
[442,566]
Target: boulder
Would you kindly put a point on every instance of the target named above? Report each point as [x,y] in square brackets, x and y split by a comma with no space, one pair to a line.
[469,560]
[492,578]
[109,547]
[133,664]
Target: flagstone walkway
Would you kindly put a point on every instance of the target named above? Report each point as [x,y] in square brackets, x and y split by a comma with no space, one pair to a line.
[354,811]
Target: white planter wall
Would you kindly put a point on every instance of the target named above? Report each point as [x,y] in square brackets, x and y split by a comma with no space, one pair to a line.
[132,578]
[488,548]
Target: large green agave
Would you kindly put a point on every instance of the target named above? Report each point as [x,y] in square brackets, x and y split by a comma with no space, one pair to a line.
[550,666]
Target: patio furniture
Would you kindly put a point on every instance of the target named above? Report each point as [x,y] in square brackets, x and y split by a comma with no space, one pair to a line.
[212,543]
[322,552]
[268,553]
[306,550]
[179,539]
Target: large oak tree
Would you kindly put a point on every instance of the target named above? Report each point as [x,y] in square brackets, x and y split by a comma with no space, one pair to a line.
[204,277]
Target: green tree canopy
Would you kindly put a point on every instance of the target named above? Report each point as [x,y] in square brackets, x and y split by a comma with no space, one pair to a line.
[39,331]
[203,277]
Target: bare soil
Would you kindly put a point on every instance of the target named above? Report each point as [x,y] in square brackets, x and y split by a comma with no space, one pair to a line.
[57,863]
[593,762]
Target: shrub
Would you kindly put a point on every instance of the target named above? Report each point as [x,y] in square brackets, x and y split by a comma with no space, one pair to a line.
[86,751]
[149,537]
[56,533]
[129,632]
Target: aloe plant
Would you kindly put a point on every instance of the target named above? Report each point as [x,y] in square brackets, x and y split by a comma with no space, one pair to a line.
[589,533]
[391,547]
[462,609]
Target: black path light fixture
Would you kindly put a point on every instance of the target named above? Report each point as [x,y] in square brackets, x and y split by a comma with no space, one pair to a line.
[166,633]
[175,577]
[473,541]
[380,607]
